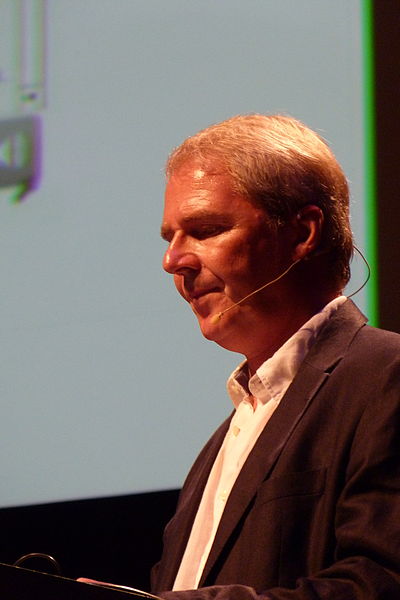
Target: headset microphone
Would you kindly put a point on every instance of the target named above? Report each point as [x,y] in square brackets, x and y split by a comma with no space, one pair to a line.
[219,315]
[214,319]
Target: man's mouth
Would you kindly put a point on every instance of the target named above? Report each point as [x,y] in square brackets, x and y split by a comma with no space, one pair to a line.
[196,294]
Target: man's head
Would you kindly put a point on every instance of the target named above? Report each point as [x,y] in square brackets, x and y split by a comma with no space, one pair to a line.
[245,199]
[280,165]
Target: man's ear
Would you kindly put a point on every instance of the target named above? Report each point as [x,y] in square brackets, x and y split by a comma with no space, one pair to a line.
[307,225]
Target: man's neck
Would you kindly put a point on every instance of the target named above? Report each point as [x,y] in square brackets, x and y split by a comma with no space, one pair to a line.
[273,335]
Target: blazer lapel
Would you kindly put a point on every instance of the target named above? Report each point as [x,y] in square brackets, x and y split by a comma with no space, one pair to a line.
[187,507]
[327,351]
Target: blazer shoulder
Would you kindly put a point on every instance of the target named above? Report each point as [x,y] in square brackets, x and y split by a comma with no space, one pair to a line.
[347,335]
[381,336]
[349,317]
[377,343]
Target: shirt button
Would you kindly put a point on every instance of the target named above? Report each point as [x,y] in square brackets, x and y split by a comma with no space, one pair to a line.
[224,495]
[235,430]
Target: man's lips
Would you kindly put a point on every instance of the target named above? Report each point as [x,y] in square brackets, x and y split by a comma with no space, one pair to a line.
[196,294]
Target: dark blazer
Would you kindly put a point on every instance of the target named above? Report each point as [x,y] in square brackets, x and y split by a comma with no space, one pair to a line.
[315,511]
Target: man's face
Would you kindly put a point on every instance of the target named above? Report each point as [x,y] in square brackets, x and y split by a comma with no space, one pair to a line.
[221,248]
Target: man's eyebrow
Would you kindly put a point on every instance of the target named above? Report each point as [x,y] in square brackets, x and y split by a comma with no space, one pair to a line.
[198,217]
[205,215]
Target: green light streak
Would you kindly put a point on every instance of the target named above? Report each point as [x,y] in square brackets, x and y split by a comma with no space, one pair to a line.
[370,158]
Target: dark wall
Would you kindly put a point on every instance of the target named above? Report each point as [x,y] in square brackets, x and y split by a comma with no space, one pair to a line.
[387,99]
[111,539]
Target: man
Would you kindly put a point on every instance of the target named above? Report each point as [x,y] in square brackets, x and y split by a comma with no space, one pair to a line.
[297,494]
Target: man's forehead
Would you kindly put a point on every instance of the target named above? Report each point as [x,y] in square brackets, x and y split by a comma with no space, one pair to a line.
[196,187]
[199,198]
[201,167]
[198,174]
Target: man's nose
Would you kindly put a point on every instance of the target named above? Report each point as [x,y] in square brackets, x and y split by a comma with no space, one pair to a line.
[180,257]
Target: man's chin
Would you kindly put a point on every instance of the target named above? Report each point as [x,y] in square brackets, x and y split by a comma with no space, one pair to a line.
[211,328]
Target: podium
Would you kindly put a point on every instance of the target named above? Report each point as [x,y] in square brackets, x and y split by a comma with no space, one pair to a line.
[17,583]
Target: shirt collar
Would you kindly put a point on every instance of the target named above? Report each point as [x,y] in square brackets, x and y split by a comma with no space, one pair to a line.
[274,376]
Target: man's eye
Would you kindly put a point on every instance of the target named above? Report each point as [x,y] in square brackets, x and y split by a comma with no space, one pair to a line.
[207,231]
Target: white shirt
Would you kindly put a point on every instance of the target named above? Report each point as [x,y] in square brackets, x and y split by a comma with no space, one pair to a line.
[253,411]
